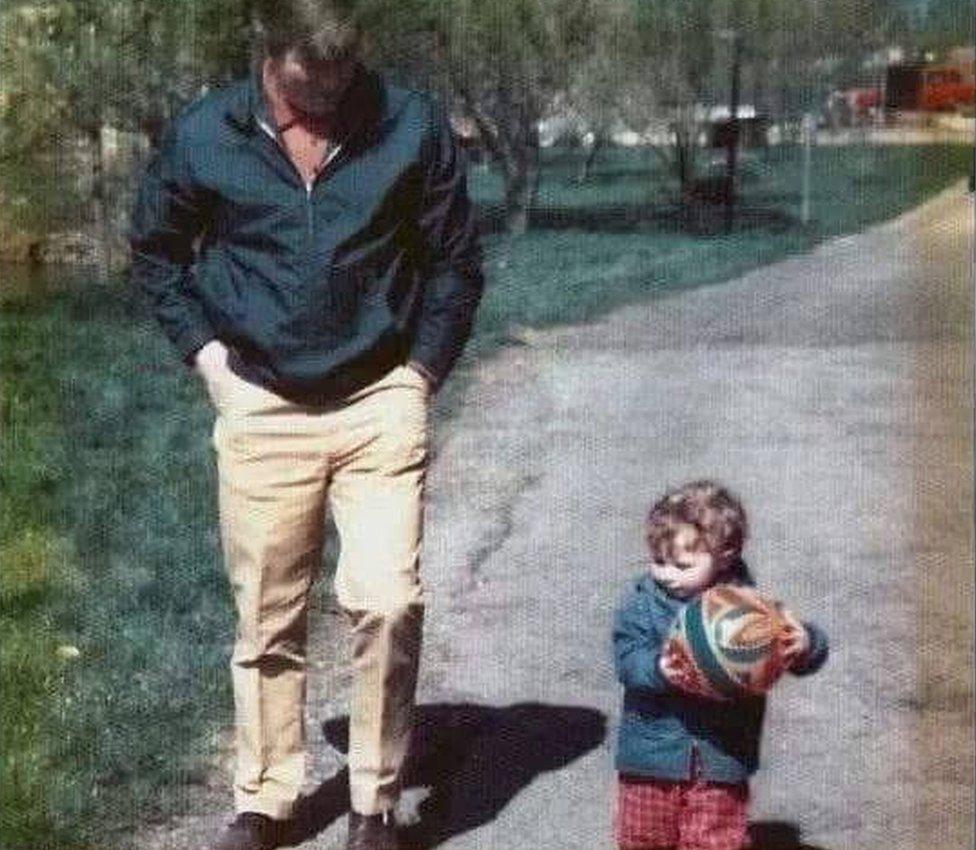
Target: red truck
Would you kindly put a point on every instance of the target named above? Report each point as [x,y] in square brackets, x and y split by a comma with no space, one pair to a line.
[928,87]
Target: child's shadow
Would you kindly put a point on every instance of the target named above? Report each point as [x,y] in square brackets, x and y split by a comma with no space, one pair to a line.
[777,835]
[470,761]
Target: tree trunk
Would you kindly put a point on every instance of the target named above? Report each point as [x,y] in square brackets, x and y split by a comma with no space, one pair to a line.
[586,169]
[685,159]
[685,141]
[522,170]
[103,227]
[733,140]
[511,146]
[536,169]
[518,197]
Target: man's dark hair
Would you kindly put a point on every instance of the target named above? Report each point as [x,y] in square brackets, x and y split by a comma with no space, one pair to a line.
[318,29]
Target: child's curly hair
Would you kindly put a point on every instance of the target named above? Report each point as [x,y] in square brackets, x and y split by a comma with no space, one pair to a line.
[713,511]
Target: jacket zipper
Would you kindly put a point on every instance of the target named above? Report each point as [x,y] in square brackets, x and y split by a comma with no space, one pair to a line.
[309,184]
[308,208]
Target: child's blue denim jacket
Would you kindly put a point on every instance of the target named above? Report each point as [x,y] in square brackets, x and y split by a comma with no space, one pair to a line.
[662,729]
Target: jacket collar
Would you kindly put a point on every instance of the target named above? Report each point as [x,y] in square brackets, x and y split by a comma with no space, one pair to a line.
[362,107]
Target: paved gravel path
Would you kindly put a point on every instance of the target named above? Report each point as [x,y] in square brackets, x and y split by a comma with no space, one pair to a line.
[833,392]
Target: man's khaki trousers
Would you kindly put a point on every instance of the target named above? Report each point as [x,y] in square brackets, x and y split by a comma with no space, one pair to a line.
[279,463]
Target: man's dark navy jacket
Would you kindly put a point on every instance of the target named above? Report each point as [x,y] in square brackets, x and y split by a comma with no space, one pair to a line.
[317,290]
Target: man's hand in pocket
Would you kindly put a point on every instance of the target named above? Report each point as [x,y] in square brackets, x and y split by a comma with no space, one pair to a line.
[211,365]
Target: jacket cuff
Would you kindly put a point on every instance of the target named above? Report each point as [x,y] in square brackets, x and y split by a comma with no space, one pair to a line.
[430,362]
[427,373]
[191,340]
[817,654]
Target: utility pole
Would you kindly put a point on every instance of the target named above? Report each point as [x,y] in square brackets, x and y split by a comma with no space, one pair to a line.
[732,139]
[809,125]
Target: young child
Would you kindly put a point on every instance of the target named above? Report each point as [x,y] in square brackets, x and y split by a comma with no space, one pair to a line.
[684,761]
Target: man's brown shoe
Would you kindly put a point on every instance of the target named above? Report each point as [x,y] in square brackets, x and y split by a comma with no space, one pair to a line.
[249,831]
[372,832]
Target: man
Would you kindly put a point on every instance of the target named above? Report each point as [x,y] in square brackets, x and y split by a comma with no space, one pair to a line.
[307,244]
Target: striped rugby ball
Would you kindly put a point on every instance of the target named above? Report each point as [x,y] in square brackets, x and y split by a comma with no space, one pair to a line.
[727,643]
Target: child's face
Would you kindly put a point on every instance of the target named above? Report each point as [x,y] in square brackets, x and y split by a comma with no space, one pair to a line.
[689,568]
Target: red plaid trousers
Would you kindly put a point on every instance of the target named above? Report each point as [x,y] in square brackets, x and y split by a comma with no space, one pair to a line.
[654,814]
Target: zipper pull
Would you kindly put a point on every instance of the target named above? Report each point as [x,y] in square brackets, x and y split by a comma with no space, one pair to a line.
[308,208]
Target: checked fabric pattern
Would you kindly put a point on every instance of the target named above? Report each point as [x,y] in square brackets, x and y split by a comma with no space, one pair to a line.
[694,815]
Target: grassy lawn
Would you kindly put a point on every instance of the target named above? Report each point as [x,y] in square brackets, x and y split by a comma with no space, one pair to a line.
[114,626]
[115,623]
[620,239]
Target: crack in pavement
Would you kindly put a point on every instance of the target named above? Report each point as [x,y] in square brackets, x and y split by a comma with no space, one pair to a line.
[500,531]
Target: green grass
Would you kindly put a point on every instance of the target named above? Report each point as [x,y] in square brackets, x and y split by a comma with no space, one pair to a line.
[108,509]
[618,239]
[107,529]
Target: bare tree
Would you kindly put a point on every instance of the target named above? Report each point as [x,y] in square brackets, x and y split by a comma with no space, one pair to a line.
[599,82]
[502,63]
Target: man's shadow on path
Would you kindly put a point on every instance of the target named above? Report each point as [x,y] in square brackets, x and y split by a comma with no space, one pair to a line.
[474,759]
[777,835]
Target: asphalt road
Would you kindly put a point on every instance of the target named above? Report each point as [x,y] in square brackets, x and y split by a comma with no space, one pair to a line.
[833,392]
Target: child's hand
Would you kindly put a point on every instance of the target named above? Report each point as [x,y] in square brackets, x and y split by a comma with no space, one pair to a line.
[796,640]
[676,670]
